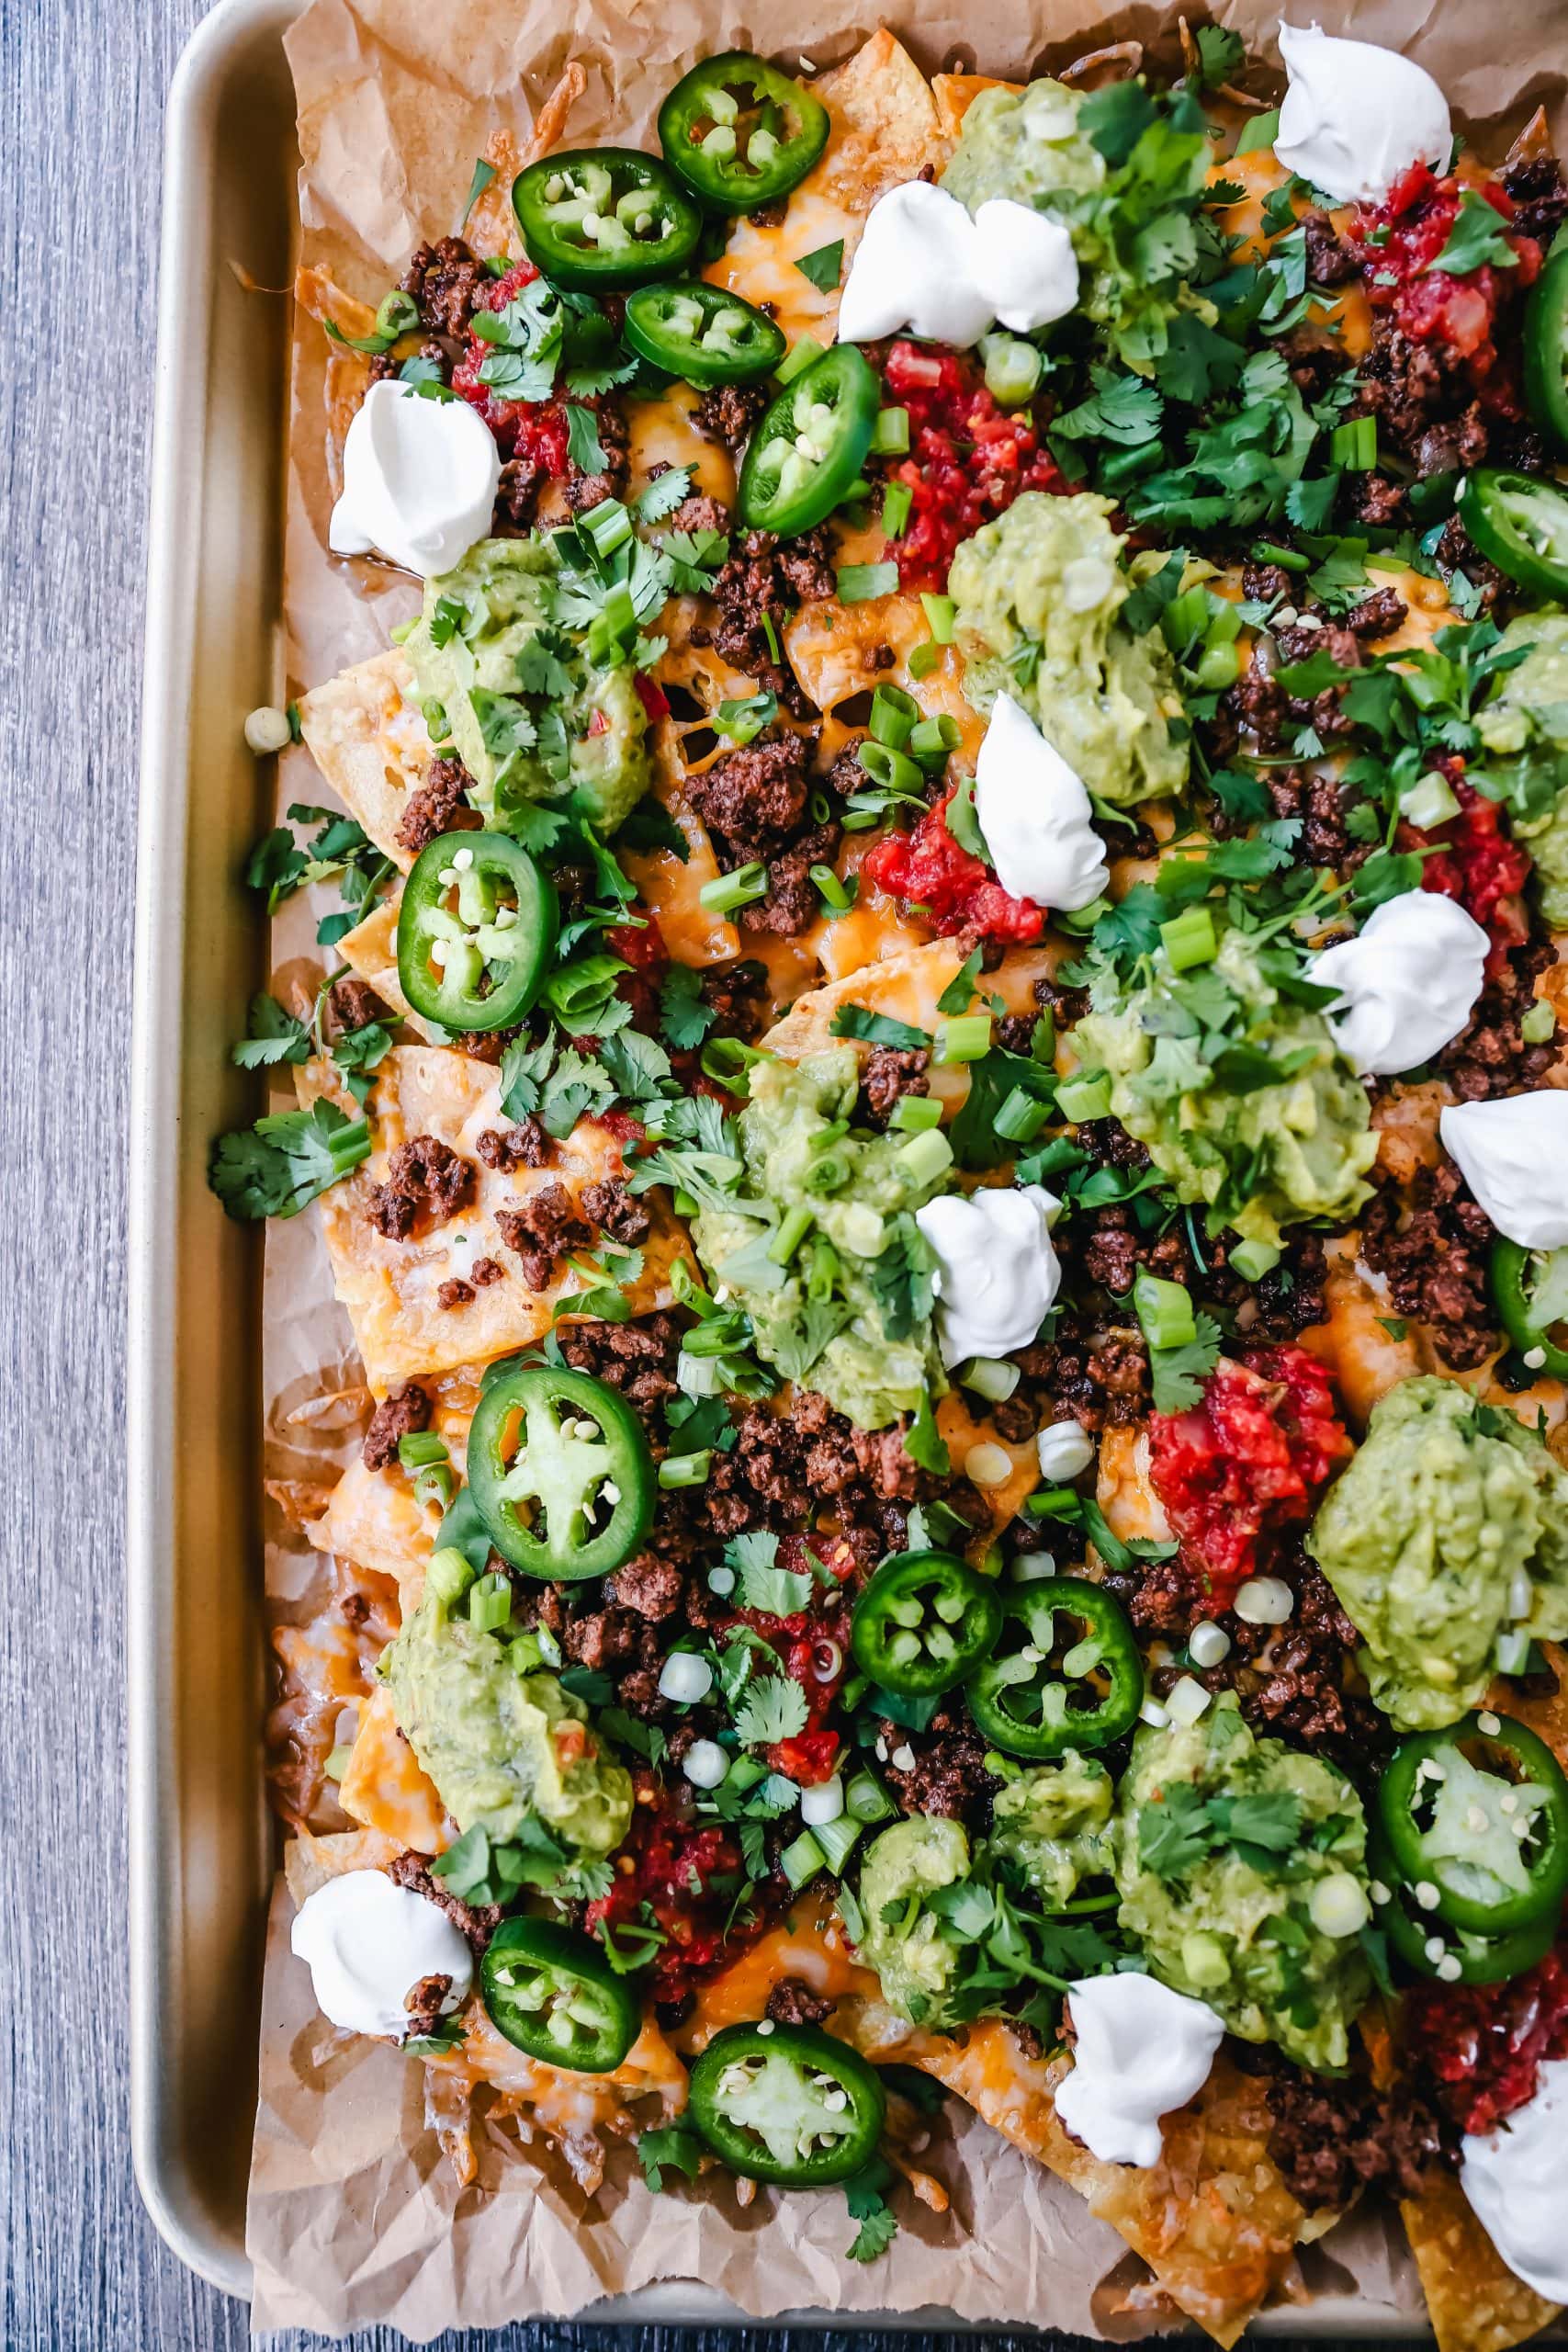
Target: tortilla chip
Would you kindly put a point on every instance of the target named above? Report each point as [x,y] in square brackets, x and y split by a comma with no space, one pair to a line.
[955,93]
[370,951]
[389,1288]
[906,987]
[885,124]
[308,1862]
[1474,2299]
[386,1788]
[366,735]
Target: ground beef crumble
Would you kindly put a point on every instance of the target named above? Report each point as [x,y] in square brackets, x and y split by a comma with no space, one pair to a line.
[403,1415]
[1490,1057]
[759,587]
[424,1177]
[1433,1254]
[476,1922]
[942,1769]
[1335,2137]
[793,2002]
[539,1229]
[437,807]
[524,1146]
[890,1073]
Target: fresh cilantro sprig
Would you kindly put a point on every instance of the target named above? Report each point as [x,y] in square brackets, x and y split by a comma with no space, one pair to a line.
[287,1160]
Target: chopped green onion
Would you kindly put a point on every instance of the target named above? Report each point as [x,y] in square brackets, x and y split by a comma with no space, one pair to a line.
[1021,1116]
[1253,1259]
[926,1156]
[1163,1310]
[940,613]
[1288,558]
[866,1800]
[917,1113]
[449,1576]
[419,1448]
[891,434]
[894,715]
[822,1272]
[437,1483]
[892,770]
[923,659]
[792,1232]
[1354,444]
[797,358]
[837,1840]
[1538,1023]
[831,890]
[963,1037]
[1189,938]
[1513,1651]
[898,505]
[1430,801]
[608,525]
[1218,666]
[489,1602]
[727,1061]
[1186,618]
[1012,370]
[933,738]
[1085,1097]
[863,584]
[613,625]
[989,1377]
[1119,467]
[803,1861]
[678,1470]
[728,891]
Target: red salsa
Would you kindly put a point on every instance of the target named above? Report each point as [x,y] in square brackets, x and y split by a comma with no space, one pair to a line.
[533,431]
[1485,2043]
[969,459]
[938,880]
[1400,240]
[1478,862]
[813,1647]
[688,1872]
[1246,1461]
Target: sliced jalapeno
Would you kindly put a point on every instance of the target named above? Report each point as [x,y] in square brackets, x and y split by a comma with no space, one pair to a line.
[604,217]
[1430,1947]
[787,2104]
[810,445]
[740,132]
[1074,1680]
[1520,521]
[923,1622]
[1480,1817]
[560,1472]
[1531,1292]
[554,1996]
[1546,349]
[476,931]
[701,334]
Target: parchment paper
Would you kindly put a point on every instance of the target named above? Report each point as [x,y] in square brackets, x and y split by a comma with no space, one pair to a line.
[354,2217]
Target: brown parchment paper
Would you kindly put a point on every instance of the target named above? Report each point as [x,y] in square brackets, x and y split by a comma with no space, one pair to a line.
[354,2217]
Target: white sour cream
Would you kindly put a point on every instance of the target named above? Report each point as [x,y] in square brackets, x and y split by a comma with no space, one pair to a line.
[997,1273]
[419,481]
[1517,2188]
[1408,981]
[922,265]
[368,1943]
[1034,813]
[1514,1155]
[1356,116]
[1142,2052]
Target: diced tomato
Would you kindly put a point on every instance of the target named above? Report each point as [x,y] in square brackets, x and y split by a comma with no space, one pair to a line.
[969,459]
[534,431]
[809,1759]
[1457,314]
[653,696]
[930,873]
[1248,1460]
[1478,864]
[689,1873]
[571,1742]
[1487,2042]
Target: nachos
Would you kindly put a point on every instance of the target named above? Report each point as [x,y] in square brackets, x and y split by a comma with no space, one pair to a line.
[935,1089]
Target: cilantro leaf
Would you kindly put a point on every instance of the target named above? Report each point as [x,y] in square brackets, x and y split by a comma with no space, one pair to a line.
[663,494]
[1475,240]
[878,2223]
[273,1035]
[287,1160]
[1177,1374]
[483,175]
[1173,1832]
[876,1028]
[673,2147]
[923,1441]
[959,993]
[762,1584]
[1220,54]
[683,1017]
[772,1709]
[1123,409]
[824,267]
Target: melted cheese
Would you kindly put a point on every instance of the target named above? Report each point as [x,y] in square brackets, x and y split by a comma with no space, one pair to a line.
[1125,1491]
[385,1787]
[960,1427]
[1346,310]
[811,1945]
[664,432]
[758,263]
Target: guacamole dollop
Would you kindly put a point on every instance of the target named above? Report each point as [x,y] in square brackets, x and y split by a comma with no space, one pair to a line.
[1525,729]
[850,1312]
[1450,1524]
[1052,1827]
[907,1950]
[531,716]
[503,1747]
[1039,593]
[1223,1841]
[1188,1056]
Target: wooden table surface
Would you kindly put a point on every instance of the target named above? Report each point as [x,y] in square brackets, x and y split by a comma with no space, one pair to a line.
[81,90]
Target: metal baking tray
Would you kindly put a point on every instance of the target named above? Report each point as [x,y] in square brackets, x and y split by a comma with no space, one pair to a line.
[202,1842]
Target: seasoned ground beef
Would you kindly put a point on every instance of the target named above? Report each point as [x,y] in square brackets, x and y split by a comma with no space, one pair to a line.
[445,280]
[753,799]
[792,904]
[403,1415]
[1109,1247]
[1335,2136]
[539,1229]
[517,494]
[728,412]
[1302,1697]
[647,1585]
[1456,551]
[890,1073]
[437,807]
[612,1209]
[1434,1256]
[738,998]
[1539,196]
[760,586]
[941,1769]
[586,491]
[424,2003]
[1101,1376]
[1490,1057]
[476,1922]
[1376,499]
[524,1146]
[793,2002]
[485,1270]
[638,1359]
[354,1004]
[1378,614]
[425,1176]
[454,1294]
[1330,261]
[783,1471]
[699,513]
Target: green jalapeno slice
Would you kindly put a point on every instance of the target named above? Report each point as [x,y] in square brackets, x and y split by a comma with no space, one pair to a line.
[739,132]
[477,930]
[1430,1947]
[1546,349]
[1477,1814]
[1074,1680]
[553,1994]
[924,1623]
[810,445]
[1520,521]
[701,334]
[1530,1288]
[787,2104]
[560,1472]
[600,218]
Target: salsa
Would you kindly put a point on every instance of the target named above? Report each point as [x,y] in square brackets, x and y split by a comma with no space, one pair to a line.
[533,431]
[1485,2043]
[1478,862]
[969,459]
[1401,239]
[939,880]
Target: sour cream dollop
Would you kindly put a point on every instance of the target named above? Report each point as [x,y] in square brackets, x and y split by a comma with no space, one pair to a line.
[419,481]
[1408,981]
[1514,2179]
[998,1274]
[1142,2051]
[924,266]
[1034,813]
[1514,1155]
[1356,116]
[368,1943]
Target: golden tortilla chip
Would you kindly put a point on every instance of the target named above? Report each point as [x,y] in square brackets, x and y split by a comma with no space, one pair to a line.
[310,1862]
[953,96]
[885,124]
[1474,2299]
[905,985]
[389,1288]
[368,738]
[384,1786]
